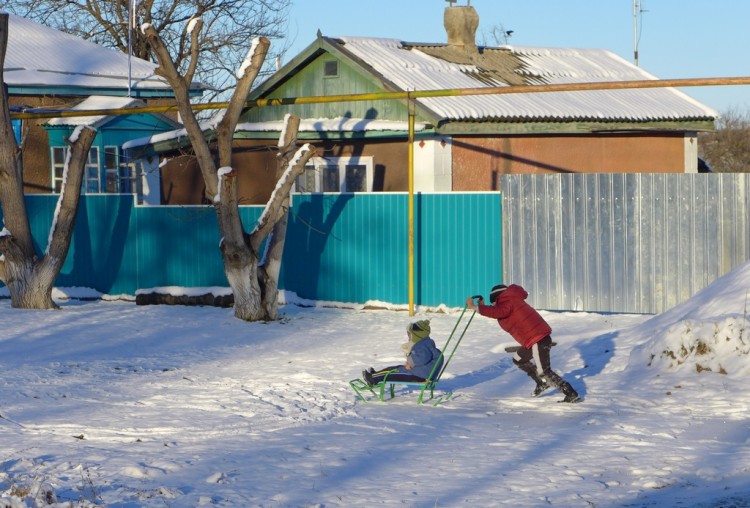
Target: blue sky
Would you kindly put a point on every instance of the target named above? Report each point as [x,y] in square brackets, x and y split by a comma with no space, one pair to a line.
[678,38]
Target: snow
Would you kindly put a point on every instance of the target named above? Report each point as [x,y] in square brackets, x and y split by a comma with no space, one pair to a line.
[192,23]
[282,136]
[221,172]
[109,403]
[283,180]
[248,61]
[339,124]
[95,102]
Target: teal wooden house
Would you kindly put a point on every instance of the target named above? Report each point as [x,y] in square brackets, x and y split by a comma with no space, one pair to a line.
[46,69]
[108,170]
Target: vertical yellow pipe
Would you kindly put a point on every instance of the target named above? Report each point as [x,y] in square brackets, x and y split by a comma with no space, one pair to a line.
[411,207]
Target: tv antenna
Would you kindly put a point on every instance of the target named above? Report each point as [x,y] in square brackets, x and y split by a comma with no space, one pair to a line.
[637,13]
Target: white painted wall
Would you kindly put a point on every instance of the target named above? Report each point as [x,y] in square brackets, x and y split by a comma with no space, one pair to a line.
[691,152]
[433,170]
[151,181]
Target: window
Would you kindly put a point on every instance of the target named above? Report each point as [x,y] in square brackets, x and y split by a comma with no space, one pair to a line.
[331,69]
[58,165]
[128,178]
[91,181]
[336,174]
[119,177]
[111,169]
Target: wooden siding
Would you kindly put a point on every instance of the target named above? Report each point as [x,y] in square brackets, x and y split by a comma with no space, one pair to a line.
[311,82]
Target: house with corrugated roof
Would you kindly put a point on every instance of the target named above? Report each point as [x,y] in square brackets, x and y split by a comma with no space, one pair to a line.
[46,69]
[462,142]
[108,170]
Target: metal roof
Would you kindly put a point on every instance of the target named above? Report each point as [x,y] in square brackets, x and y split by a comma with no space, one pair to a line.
[412,66]
[41,57]
[99,103]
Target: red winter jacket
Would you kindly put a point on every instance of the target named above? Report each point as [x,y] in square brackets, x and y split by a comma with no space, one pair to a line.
[517,317]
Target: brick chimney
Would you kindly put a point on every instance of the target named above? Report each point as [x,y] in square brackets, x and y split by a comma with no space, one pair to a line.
[461,25]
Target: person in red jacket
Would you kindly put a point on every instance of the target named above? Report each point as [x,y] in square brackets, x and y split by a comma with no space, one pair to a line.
[530,330]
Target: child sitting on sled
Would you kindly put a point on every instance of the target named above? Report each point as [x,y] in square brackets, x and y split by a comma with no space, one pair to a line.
[421,357]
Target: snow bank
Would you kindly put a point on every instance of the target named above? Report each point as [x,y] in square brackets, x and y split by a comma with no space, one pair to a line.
[710,332]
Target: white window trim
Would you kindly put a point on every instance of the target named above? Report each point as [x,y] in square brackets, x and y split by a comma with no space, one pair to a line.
[92,163]
[55,179]
[341,162]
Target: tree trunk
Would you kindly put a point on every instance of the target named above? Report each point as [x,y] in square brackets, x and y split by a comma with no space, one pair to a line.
[29,277]
[238,249]
[271,262]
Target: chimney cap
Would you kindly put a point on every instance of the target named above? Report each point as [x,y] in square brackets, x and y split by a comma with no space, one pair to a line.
[461,25]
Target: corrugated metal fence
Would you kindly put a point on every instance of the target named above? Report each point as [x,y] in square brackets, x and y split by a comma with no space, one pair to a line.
[611,243]
[340,247]
[622,242]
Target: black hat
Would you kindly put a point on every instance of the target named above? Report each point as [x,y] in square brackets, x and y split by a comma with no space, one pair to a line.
[496,292]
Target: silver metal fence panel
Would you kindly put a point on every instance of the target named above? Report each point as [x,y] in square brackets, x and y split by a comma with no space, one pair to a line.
[622,242]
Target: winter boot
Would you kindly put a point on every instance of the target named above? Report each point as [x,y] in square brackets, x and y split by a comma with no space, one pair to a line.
[541,387]
[530,370]
[570,394]
[367,376]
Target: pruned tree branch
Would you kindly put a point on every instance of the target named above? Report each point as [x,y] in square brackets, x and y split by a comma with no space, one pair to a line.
[246,75]
[67,205]
[275,206]
[168,70]
[194,29]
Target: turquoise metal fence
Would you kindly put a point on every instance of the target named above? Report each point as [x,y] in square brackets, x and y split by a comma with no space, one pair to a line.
[340,247]
[354,247]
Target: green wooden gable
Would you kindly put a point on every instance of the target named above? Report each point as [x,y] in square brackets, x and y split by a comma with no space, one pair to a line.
[323,69]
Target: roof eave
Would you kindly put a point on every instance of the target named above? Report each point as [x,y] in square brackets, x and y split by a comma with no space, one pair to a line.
[531,126]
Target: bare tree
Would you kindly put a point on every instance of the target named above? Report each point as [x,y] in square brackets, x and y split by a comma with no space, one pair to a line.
[30,276]
[229,25]
[253,284]
[727,149]
[498,36]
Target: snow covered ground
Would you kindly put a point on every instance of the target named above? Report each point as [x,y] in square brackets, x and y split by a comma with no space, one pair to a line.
[108,403]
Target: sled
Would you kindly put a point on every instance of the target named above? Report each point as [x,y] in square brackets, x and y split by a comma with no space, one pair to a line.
[378,390]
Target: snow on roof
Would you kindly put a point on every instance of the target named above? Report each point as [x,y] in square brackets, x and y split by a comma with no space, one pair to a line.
[95,102]
[416,67]
[341,124]
[39,56]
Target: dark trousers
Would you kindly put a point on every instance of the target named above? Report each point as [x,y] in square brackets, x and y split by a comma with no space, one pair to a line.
[395,373]
[538,353]
[535,362]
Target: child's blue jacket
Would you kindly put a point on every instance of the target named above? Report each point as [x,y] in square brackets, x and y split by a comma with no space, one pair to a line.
[423,356]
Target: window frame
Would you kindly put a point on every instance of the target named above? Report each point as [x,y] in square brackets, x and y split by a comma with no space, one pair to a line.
[318,173]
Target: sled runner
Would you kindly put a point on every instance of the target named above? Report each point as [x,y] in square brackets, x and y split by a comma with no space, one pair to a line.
[379,389]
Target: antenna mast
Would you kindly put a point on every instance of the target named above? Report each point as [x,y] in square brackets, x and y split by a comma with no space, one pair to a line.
[636,11]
